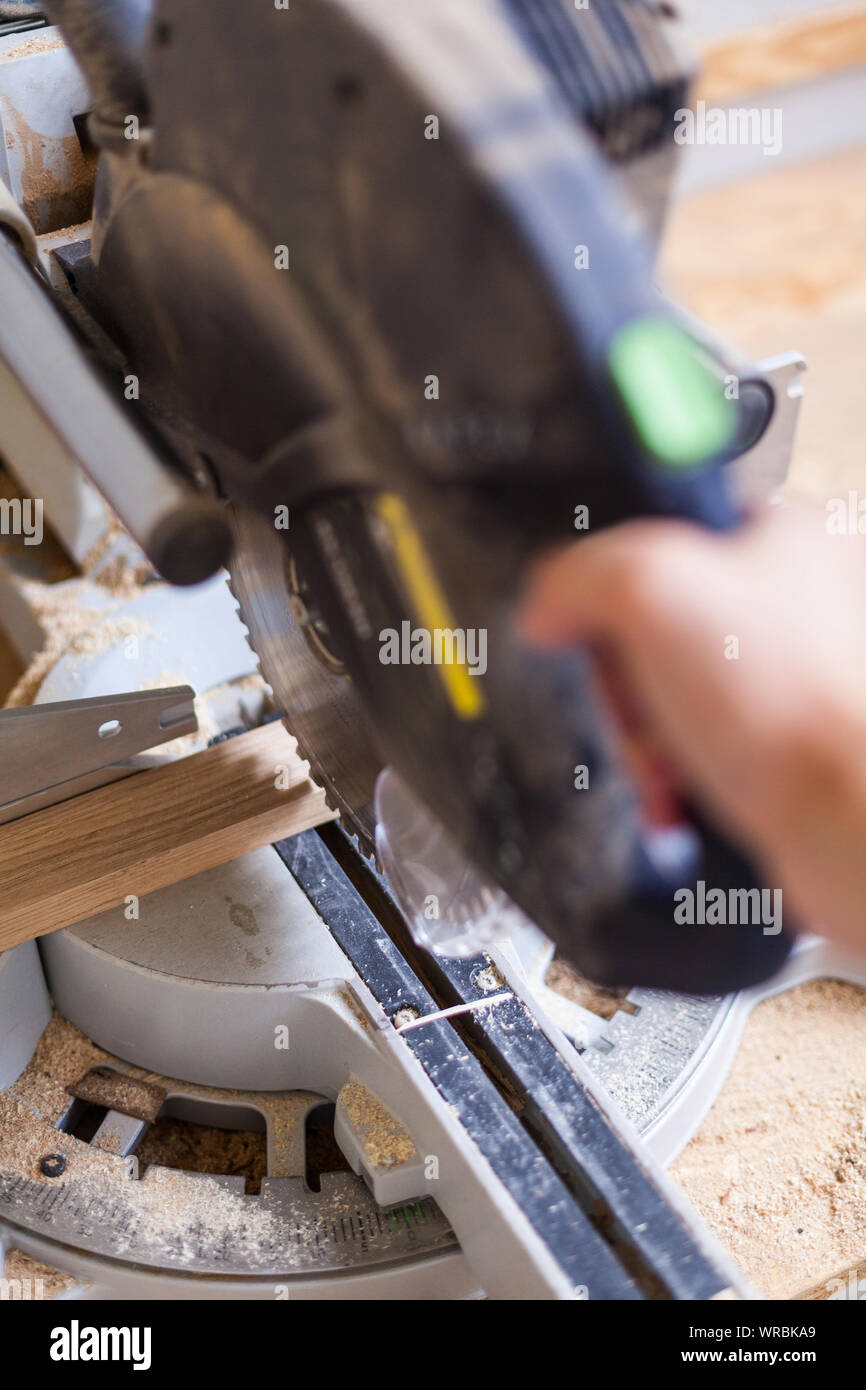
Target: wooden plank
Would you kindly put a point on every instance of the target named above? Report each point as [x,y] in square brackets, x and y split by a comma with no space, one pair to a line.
[783,53]
[154,828]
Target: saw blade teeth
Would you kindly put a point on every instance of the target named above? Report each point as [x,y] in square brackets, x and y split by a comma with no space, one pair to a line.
[333,733]
[248,638]
[359,842]
[370,857]
[247,634]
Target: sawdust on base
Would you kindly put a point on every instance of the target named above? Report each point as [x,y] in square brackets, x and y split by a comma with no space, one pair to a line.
[778,1168]
[199,1148]
[167,1209]
[69,625]
[63,620]
[38,1281]
[563,979]
[70,629]
[63,1055]
[28,47]
[386,1143]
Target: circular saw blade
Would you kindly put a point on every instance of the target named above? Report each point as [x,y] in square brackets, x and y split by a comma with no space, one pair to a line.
[321,709]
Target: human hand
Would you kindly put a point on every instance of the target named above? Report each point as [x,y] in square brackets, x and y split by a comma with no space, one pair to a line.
[745,654]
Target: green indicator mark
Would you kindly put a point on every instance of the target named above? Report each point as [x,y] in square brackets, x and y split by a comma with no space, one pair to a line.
[676,405]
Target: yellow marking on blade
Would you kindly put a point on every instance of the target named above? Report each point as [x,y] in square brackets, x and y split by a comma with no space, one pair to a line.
[429,601]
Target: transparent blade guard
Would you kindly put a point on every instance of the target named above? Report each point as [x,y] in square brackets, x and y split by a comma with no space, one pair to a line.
[451,908]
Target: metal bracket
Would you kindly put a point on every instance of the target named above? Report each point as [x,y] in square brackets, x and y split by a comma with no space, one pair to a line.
[51,752]
[762,470]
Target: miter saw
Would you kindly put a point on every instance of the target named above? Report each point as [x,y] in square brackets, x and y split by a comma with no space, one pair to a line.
[379,276]
[366,312]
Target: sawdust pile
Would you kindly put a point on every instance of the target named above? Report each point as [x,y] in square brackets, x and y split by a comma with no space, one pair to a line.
[37,1280]
[116,565]
[62,1056]
[203,1149]
[28,47]
[778,1169]
[71,626]
[76,231]
[174,1213]
[385,1141]
[57,597]
[63,621]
